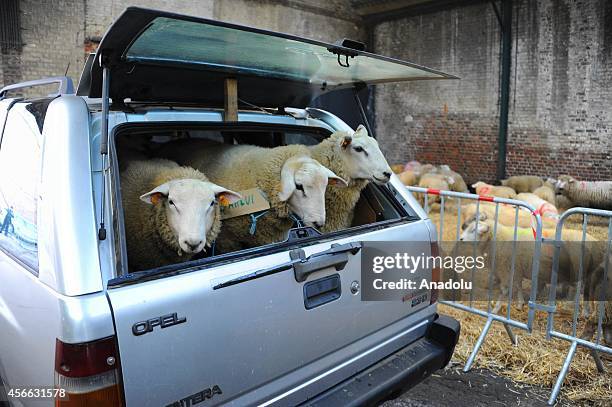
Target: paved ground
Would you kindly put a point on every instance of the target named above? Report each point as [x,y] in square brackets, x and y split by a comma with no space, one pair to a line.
[451,387]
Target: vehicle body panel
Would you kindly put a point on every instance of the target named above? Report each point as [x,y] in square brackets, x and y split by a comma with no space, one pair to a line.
[261,325]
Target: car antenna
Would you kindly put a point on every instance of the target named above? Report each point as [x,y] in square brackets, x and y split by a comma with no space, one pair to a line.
[364,116]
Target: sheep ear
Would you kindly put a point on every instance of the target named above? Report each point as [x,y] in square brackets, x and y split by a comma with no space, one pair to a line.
[287,183]
[334,180]
[475,185]
[346,141]
[361,131]
[155,196]
[225,196]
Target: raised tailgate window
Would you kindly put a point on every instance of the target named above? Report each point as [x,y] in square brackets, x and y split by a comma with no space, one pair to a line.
[246,52]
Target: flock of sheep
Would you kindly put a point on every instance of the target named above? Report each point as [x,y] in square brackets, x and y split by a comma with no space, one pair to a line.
[184,185]
[549,197]
[550,194]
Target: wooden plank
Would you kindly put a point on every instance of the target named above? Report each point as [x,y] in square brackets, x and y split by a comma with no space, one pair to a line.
[230,110]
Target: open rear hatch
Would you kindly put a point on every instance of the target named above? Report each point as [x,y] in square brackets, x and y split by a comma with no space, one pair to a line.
[286,325]
[166,57]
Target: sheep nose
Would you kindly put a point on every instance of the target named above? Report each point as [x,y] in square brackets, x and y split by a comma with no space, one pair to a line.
[387,174]
[192,244]
[317,224]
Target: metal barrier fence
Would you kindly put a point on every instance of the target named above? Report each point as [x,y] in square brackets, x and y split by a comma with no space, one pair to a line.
[491,314]
[592,280]
[593,268]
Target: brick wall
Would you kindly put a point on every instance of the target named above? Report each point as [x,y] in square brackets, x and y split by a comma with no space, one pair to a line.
[560,117]
[52,34]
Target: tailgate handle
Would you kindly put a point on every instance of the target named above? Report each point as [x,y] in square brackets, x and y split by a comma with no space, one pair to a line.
[322,291]
[337,256]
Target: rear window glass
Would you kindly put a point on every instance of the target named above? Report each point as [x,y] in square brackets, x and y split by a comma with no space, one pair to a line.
[231,49]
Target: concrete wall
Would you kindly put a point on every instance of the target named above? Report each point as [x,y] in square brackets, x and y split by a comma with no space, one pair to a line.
[52,33]
[56,33]
[560,116]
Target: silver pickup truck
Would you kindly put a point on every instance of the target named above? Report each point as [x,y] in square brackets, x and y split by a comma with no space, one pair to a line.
[78,326]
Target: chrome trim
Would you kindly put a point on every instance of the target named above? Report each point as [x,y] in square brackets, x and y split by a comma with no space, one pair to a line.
[330,119]
[65,85]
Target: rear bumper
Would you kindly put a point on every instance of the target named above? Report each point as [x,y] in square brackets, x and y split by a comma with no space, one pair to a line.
[397,372]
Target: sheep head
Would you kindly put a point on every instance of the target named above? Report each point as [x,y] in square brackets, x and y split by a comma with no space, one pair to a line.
[564,182]
[190,208]
[362,157]
[303,184]
[476,232]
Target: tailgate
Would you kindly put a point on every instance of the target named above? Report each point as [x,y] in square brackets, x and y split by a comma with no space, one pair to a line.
[268,340]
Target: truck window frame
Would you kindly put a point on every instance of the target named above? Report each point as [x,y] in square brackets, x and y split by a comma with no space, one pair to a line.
[125,277]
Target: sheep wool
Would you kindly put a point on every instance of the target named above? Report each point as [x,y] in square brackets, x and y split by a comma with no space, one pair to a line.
[397,168]
[242,167]
[434,181]
[408,177]
[498,191]
[339,202]
[506,215]
[547,193]
[592,194]
[594,291]
[458,184]
[543,207]
[150,241]
[563,202]
[523,183]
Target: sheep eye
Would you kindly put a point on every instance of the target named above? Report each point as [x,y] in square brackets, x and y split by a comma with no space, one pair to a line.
[213,203]
[299,187]
[360,150]
[170,202]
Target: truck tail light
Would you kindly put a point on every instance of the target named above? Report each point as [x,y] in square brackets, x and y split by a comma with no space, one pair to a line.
[87,374]
[435,272]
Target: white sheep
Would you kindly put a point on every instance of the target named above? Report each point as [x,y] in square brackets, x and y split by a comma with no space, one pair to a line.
[293,182]
[547,193]
[546,209]
[482,232]
[356,158]
[483,188]
[434,181]
[458,183]
[570,260]
[523,183]
[170,212]
[408,177]
[595,291]
[506,215]
[592,194]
